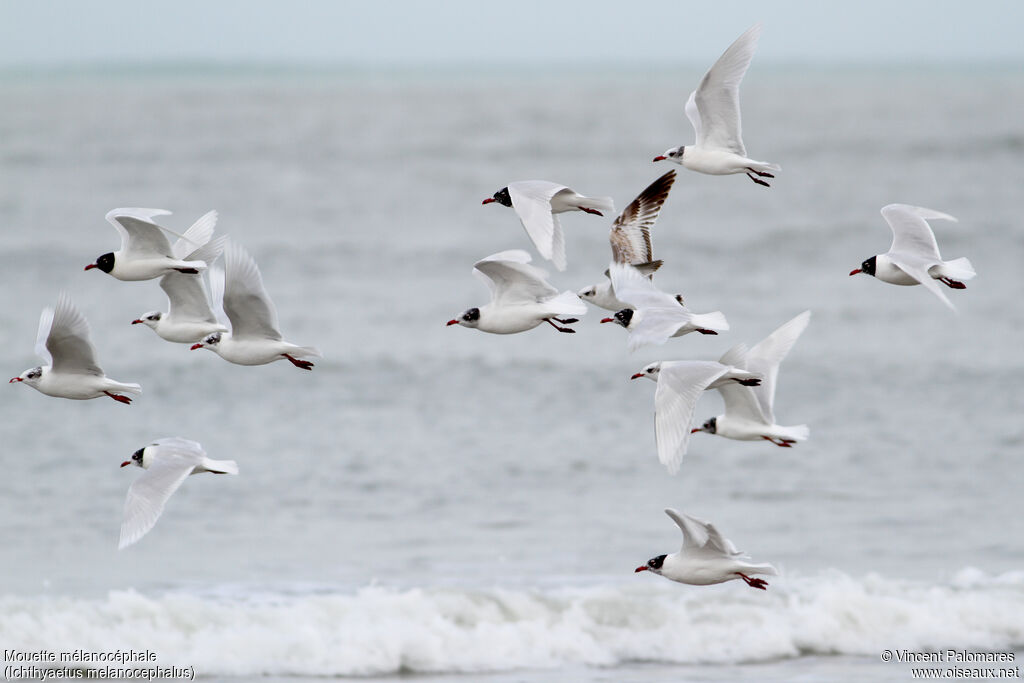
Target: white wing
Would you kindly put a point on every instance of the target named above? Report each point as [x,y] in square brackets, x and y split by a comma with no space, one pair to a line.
[199,234]
[680,384]
[186,295]
[912,237]
[630,235]
[700,536]
[147,496]
[637,290]
[918,269]
[246,302]
[67,339]
[140,236]
[217,293]
[767,355]
[45,322]
[741,403]
[718,96]
[513,280]
[693,114]
[531,200]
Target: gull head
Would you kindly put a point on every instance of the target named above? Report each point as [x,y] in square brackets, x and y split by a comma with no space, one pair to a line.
[653,565]
[709,426]
[867,267]
[623,317]
[139,459]
[501,196]
[674,154]
[150,319]
[30,377]
[104,263]
[588,293]
[470,318]
[209,342]
[650,372]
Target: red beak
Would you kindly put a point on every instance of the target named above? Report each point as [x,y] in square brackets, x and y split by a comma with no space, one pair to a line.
[640,569]
[15,379]
[129,462]
[694,431]
[637,375]
[196,346]
[659,158]
[91,266]
[855,271]
[607,320]
[489,200]
[452,322]
[136,321]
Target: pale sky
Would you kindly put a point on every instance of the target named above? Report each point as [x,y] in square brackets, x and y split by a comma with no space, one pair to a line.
[525,32]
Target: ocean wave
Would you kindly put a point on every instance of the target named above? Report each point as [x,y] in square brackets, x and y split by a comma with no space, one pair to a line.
[378,630]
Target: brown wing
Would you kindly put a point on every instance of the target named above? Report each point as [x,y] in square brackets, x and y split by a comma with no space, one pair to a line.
[631,232]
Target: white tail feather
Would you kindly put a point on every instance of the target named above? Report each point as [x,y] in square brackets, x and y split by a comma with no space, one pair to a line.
[566,303]
[958,269]
[604,204]
[710,321]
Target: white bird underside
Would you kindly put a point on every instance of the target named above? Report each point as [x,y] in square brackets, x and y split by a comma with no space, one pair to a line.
[71,369]
[706,557]
[145,251]
[521,297]
[168,463]
[254,338]
[537,201]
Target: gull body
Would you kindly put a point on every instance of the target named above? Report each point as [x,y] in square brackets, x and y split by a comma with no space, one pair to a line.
[145,252]
[653,316]
[913,257]
[521,298]
[536,203]
[749,413]
[706,557]
[630,239]
[680,385]
[254,338]
[71,370]
[714,111]
[168,462]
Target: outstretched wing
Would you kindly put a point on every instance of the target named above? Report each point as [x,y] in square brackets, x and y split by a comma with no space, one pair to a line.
[911,235]
[513,280]
[636,289]
[700,536]
[246,301]
[630,235]
[680,385]
[765,358]
[531,200]
[140,236]
[195,237]
[67,339]
[148,494]
[718,95]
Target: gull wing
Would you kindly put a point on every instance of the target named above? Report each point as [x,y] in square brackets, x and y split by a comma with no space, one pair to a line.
[718,96]
[657,325]
[912,237]
[700,536]
[918,269]
[149,493]
[195,237]
[140,236]
[765,358]
[67,339]
[512,280]
[680,384]
[693,114]
[636,288]
[531,200]
[630,235]
[246,302]
[186,295]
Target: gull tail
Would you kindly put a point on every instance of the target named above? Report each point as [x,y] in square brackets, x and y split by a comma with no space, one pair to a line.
[603,204]
[306,351]
[957,269]
[710,321]
[766,569]
[765,167]
[221,466]
[566,303]
[796,433]
[128,388]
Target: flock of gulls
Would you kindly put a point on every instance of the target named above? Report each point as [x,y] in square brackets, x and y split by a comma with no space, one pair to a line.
[522,299]
[240,325]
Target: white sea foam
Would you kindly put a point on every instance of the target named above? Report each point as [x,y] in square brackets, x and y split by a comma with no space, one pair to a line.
[384,630]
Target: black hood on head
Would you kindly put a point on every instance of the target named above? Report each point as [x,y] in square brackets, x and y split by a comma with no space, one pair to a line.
[502,197]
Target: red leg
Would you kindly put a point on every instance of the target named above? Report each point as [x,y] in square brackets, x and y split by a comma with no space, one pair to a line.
[304,364]
[754,583]
[593,211]
[758,180]
[952,284]
[567,330]
[118,397]
[703,331]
